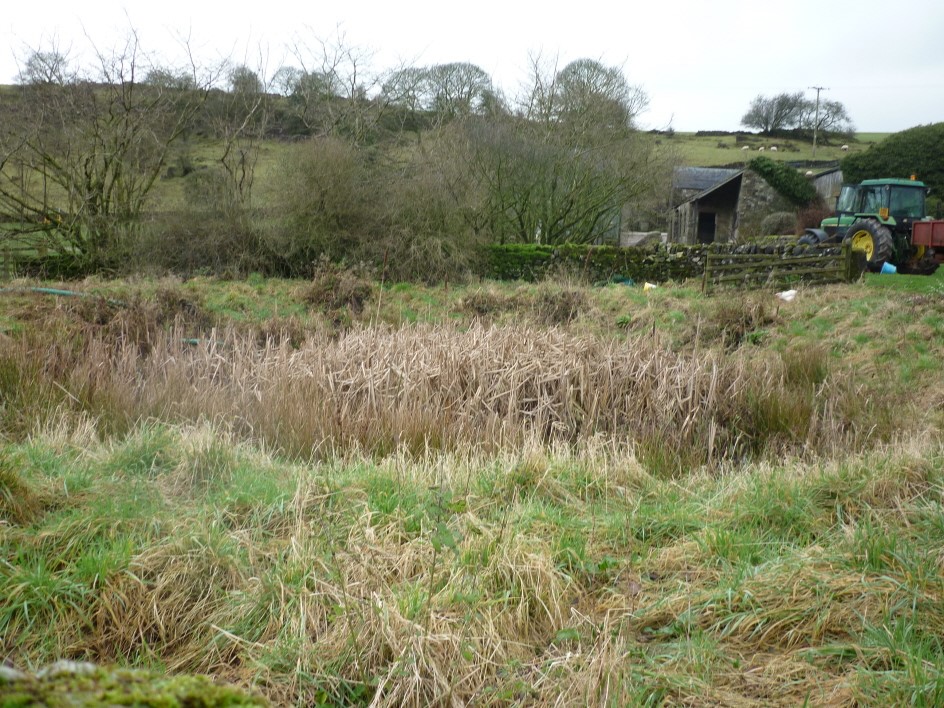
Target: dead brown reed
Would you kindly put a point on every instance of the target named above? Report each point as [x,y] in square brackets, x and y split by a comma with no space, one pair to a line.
[378,389]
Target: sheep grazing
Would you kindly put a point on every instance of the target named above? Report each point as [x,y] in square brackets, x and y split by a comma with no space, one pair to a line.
[844,148]
[773,148]
[760,149]
[809,173]
[746,147]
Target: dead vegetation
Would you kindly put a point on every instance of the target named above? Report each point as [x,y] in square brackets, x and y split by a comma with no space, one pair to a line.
[335,288]
[546,304]
[377,389]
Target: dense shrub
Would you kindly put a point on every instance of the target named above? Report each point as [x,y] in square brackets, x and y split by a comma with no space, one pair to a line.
[190,241]
[916,151]
[786,180]
[780,222]
[397,215]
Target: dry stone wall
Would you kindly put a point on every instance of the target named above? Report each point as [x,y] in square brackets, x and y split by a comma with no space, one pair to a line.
[598,264]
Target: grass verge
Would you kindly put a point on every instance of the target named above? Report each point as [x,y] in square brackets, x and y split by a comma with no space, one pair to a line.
[531,576]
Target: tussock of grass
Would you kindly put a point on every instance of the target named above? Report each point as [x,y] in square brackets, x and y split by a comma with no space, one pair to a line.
[19,503]
[535,575]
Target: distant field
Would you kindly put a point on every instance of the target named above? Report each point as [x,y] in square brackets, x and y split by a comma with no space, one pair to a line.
[869,138]
[703,151]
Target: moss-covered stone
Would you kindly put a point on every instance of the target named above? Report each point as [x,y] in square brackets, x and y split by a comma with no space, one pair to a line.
[655,264]
[80,684]
[596,263]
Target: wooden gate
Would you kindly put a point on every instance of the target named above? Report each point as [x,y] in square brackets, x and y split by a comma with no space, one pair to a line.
[775,270]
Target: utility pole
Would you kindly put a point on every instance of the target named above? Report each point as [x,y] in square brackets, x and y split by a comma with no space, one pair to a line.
[816,119]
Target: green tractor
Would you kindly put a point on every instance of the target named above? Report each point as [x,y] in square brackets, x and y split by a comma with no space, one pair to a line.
[887,220]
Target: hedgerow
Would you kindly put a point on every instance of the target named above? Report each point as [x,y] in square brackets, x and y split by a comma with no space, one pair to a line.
[916,151]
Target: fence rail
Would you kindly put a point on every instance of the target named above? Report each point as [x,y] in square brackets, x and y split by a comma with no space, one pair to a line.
[757,270]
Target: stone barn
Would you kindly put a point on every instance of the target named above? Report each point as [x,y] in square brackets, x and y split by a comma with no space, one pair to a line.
[705,201]
[720,205]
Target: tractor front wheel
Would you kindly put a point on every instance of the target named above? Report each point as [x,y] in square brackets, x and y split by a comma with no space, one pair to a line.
[874,239]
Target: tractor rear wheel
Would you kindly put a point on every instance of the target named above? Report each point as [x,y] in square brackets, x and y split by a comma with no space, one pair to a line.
[920,263]
[874,239]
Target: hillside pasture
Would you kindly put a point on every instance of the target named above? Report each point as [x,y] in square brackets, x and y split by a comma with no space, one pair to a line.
[709,151]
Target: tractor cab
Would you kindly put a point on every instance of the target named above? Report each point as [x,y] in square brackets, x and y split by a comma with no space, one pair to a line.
[896,203]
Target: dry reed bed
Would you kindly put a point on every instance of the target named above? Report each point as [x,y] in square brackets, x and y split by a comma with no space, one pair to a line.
[378,389]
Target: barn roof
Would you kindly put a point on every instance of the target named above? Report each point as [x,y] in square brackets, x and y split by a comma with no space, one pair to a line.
[702,178]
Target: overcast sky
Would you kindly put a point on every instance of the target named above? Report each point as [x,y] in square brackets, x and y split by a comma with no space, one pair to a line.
[700,62]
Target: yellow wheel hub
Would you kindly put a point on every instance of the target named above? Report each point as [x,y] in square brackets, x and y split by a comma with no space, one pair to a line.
[862,241]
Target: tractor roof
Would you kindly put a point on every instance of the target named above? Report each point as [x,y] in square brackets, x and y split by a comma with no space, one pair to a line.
[894,182]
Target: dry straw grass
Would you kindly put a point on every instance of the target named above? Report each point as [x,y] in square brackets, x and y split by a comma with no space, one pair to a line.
[378,389]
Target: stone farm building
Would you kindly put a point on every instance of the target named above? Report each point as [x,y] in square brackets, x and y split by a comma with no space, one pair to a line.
[721,205]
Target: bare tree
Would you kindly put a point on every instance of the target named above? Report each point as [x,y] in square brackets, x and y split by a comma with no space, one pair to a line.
[286,80]
[781,112]
[794,111]
[334,93]
[244,80]
[591,94]
[82,167]
[538,98]
[241,122]
[45,66]
[405,87]
[563,169]
[834,120]
[537,187]
[311,98]
[457,89]
[586,96]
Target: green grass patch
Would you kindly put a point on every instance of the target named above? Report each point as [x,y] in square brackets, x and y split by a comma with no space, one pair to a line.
[708,151]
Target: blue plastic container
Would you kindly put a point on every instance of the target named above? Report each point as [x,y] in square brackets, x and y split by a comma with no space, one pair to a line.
[888,268]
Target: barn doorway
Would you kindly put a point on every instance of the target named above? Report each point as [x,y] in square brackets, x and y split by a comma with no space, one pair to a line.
[706,227]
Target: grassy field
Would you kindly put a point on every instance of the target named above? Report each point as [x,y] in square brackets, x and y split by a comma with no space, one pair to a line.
[332,492]
[703,151]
